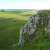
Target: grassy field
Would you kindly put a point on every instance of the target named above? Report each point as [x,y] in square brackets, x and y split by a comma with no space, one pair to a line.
[10,24]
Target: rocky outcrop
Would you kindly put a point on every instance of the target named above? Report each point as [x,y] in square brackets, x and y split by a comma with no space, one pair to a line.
[28,31]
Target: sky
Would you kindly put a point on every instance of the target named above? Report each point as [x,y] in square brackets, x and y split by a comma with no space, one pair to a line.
[25,4]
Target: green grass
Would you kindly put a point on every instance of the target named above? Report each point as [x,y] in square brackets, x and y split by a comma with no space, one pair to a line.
[10,25]
[9,29]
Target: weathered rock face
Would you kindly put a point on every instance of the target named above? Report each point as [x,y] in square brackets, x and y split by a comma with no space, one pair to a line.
[30,28]
[48,29]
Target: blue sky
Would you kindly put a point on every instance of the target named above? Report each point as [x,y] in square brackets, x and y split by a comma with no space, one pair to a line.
[24,4]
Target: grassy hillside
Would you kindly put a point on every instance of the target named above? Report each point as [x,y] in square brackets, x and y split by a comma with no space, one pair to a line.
[10,24]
